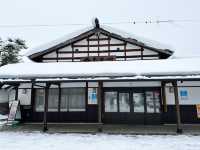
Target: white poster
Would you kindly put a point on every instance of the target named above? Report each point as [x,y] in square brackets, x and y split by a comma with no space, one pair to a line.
[13,110]
[92,95]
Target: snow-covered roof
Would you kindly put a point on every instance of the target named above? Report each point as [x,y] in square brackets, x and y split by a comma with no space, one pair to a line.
[140,69]
[145,41]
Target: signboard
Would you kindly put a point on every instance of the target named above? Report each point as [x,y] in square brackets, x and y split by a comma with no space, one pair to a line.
[198,110]
[92,95]
[13,110]
[184,94]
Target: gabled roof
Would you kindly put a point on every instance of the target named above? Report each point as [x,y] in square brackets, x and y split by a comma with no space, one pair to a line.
[112,32]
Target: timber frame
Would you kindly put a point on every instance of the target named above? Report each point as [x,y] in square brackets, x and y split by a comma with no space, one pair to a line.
[101,42]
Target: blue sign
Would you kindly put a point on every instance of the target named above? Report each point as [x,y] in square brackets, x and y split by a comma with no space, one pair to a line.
[184,94]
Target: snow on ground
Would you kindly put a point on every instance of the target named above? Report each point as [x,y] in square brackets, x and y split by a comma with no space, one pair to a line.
[3,117]
[40,141]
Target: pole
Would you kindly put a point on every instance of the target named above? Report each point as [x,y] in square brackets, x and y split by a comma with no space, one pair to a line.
[46,95]
[99,93]
[178,116]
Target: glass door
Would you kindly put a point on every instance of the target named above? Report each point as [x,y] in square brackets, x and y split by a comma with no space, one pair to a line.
[124,102]
[138,102]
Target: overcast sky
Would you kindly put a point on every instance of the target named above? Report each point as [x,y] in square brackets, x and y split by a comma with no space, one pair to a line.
[183,37]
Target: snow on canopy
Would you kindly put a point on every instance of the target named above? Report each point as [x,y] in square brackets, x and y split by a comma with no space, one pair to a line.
[165,67]
[145,41]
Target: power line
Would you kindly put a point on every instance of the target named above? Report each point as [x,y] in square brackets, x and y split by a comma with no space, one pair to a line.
[132,21]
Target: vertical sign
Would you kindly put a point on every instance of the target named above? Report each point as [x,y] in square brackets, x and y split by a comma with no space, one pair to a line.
[92,95]
[13,110]
[198,110]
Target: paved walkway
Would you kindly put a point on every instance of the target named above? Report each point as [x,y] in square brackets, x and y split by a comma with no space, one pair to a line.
[106,128]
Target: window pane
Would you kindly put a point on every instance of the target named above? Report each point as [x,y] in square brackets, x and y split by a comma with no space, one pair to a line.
[92,95]
[64,100]
[124,104]
[77,99]
[138,102]
[153,101]
[110,101]
[39,99]
[53,100]
[157,101]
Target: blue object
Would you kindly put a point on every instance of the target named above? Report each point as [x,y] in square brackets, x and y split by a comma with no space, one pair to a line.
[183,93]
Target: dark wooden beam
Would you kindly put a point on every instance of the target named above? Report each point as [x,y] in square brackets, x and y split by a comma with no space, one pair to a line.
[46,95]
[109,47]
[164,101]
[142,50]
[101,51]
[178,116]
[131,56]
[100,99]
[59,96]
[100,45]
[100,39]
[125,50]
[32,97]
[16,93]
[88,47]
[72,53]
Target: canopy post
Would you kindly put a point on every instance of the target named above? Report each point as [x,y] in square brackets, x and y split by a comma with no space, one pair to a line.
[164,96]
[16,92]
[46,95]
[178,116]
[100,84]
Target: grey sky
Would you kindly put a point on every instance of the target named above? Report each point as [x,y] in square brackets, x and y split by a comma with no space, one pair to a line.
[183,37]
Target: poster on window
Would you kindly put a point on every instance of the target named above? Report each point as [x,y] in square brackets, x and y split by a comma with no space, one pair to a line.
[198,110]
[13,110]
[184,94]
[92,95]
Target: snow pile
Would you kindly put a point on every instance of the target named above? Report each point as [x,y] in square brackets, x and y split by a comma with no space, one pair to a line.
[140,68]
[39,141]
[3,117]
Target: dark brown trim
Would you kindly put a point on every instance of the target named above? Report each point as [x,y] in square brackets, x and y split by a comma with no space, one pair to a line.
[163,93]
[72,53]
[16,93]
[125,50]
[142,50]
[46,95]
[109,47]
[133,56]
[59,97]
[178,115]
[100,39]
[88,48]
[101,51]
[100,45]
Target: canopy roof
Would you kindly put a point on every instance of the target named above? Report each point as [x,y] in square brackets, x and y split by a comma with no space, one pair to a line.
[141,69]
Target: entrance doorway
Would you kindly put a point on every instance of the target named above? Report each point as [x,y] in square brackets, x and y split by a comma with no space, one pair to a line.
[132,105]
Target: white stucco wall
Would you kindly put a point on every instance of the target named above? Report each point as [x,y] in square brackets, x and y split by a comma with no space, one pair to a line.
[193,93]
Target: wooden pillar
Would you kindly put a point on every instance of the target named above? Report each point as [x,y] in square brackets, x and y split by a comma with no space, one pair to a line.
[178,116]
[100,85]
[46,95]
[32,96]
[99,101]
[164,101]
[59,96]
[16,93]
